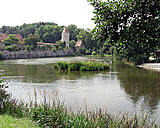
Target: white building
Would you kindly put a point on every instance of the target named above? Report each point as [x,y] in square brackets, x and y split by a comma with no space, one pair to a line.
[65,36]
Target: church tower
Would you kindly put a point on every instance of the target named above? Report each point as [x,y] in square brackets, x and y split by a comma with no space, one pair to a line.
[65,36]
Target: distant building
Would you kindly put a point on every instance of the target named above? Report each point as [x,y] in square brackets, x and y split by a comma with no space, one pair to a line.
[3,36]
[65,36]
[79,44]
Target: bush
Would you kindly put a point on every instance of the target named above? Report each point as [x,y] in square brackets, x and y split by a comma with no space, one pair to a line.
[11,48]
[60,48]
[41,47]
[78,52]
[93,53]
[29,47]
[87,52]
[54,49]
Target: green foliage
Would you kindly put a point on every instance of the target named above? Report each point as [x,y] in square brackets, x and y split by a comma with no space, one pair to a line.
[11,39]
[94,53]
[61,44]
[86,38]
[9,121]
[29,47]
[81,51]
[31,40]
[78,52]
[72,44]
[41,47]
[74,31]
[54,49]
[133,27]
[81,66]
[48,47]
[88,52]
[11,48]
[60,48]
[48,37]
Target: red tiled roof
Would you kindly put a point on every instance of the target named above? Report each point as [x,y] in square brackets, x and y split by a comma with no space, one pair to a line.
[79,43]
[19,37]
[65,30]
[3,36]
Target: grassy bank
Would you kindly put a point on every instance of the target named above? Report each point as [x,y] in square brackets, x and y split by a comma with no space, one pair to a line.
[81,66]
[57,115]
[12,122]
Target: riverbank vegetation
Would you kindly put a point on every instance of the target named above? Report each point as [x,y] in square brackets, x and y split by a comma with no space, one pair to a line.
[55,114]
[130,27]
[81,66]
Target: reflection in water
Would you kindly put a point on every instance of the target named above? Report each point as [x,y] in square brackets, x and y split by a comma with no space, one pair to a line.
[140,84]
[123,88]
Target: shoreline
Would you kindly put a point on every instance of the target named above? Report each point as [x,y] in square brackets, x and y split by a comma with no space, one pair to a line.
[146,66]
[36,54]
[151,66]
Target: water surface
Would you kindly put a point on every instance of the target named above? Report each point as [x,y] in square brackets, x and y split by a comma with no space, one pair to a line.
[123,88]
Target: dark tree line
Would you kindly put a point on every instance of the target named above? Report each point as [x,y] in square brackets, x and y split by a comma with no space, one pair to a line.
[51,33]
[46,31]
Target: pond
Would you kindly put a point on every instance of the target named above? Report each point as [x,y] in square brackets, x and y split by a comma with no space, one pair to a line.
[121,89]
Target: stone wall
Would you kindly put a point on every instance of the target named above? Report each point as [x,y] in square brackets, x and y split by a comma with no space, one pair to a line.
[36,54]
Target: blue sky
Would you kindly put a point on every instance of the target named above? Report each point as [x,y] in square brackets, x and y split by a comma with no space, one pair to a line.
[62,12]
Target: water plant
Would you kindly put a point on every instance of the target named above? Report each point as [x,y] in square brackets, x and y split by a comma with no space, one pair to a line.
[81,66]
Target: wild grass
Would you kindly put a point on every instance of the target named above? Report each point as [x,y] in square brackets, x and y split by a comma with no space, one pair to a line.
[56,115]
[81,66]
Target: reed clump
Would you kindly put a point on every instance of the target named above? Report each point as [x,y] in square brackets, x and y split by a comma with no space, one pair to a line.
[55,115]
[81,66]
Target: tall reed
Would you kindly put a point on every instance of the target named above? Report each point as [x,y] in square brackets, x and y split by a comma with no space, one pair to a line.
[56,115]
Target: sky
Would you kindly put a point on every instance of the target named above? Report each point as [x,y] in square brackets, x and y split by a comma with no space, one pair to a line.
[62,12]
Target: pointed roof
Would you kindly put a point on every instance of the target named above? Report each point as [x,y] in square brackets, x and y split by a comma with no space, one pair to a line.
[79,43]
[65,30]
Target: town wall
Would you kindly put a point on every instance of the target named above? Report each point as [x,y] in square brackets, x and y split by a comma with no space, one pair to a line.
[36,54]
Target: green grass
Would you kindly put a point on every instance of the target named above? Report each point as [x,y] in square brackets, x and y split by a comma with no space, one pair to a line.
[81,66]
[12,122]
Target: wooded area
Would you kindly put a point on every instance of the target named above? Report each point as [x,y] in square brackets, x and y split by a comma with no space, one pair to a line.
[131,26]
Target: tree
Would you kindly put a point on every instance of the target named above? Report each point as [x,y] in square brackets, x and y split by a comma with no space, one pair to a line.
[11,30]
[86,38]
[133,27]
[40,32]
[61,44]
[72,44]
[31,40]
[4,29]
[48,37]
[11,39]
